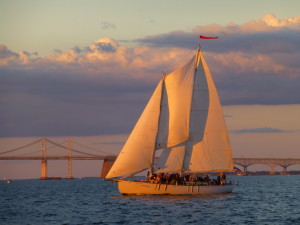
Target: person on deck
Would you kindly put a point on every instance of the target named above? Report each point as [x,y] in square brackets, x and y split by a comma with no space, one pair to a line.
[207,179]
[219,179]
[223,180]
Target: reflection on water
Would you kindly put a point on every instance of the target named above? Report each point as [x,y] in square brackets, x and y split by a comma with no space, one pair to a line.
[257,200]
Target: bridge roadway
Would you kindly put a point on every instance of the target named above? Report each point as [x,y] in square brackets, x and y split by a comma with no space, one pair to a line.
[70,154]
[109,160]
[244,162]
[270,162]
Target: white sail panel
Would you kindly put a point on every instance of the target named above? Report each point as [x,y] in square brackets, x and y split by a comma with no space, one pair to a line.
[198,115]
[163,127]
[137,153]
[171,159]
[179,90]
[213,152]
[203,159]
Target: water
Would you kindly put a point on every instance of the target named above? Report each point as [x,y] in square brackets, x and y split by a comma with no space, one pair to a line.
[257,200]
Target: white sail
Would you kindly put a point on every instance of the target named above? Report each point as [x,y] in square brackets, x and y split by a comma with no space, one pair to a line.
[163,127]
[179,85]
[137,153]
[185,119]
[171,159]
[208,148]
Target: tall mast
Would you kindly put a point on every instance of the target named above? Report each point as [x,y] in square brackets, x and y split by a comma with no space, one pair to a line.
[197,59]
[159,118]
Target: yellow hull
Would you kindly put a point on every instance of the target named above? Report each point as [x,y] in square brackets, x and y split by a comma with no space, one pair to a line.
[145,188]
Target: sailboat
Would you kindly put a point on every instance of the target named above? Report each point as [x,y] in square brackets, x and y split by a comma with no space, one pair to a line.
[184,122]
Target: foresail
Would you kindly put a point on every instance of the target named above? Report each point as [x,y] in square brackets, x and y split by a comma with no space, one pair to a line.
[137,153]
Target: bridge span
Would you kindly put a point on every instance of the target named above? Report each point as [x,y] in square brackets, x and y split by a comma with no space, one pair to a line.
[45,149]
[270,162]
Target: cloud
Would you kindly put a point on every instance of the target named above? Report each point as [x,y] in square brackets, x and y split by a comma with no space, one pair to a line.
[57,51]
[102,88]
[271,20]
[104,45]
[68,103]
[107,25]
[7,56]
[262,130]
[264,35]
[258,59]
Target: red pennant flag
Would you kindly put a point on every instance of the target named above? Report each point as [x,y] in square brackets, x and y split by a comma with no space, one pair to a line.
[203,37]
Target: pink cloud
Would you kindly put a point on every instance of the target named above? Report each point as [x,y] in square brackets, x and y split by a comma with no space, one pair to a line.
[268,46]
[81,90]
[247,53]
[267,23]
[239,63]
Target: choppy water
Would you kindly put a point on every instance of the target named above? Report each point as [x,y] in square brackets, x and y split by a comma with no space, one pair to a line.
[257,200]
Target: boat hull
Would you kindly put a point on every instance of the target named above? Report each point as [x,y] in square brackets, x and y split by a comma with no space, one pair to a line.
[146,188]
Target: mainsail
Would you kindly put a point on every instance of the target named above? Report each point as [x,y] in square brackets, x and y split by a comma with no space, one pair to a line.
[184,119]
[137,153]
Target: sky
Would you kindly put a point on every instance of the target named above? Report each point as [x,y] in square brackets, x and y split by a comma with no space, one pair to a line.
[87,68]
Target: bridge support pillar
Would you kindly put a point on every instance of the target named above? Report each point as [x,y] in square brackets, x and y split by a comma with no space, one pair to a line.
[44,160]
[284,172]
[69,147]
[272,167]
[44,169]
[107,164]
[245,170]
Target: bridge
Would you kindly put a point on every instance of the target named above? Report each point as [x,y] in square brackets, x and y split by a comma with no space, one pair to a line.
[45,149]
[270,162]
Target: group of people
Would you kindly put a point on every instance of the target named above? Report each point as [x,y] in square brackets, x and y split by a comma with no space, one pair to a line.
[187,179]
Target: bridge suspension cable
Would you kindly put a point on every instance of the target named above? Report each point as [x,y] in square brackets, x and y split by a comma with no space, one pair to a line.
[30,153]
[60,144]
[93,149]
[16,149]
[73,150]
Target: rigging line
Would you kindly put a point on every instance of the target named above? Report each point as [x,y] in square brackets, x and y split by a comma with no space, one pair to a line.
[25,146]
[91,148]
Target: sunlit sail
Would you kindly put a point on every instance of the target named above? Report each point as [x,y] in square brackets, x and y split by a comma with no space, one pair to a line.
[184,120]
